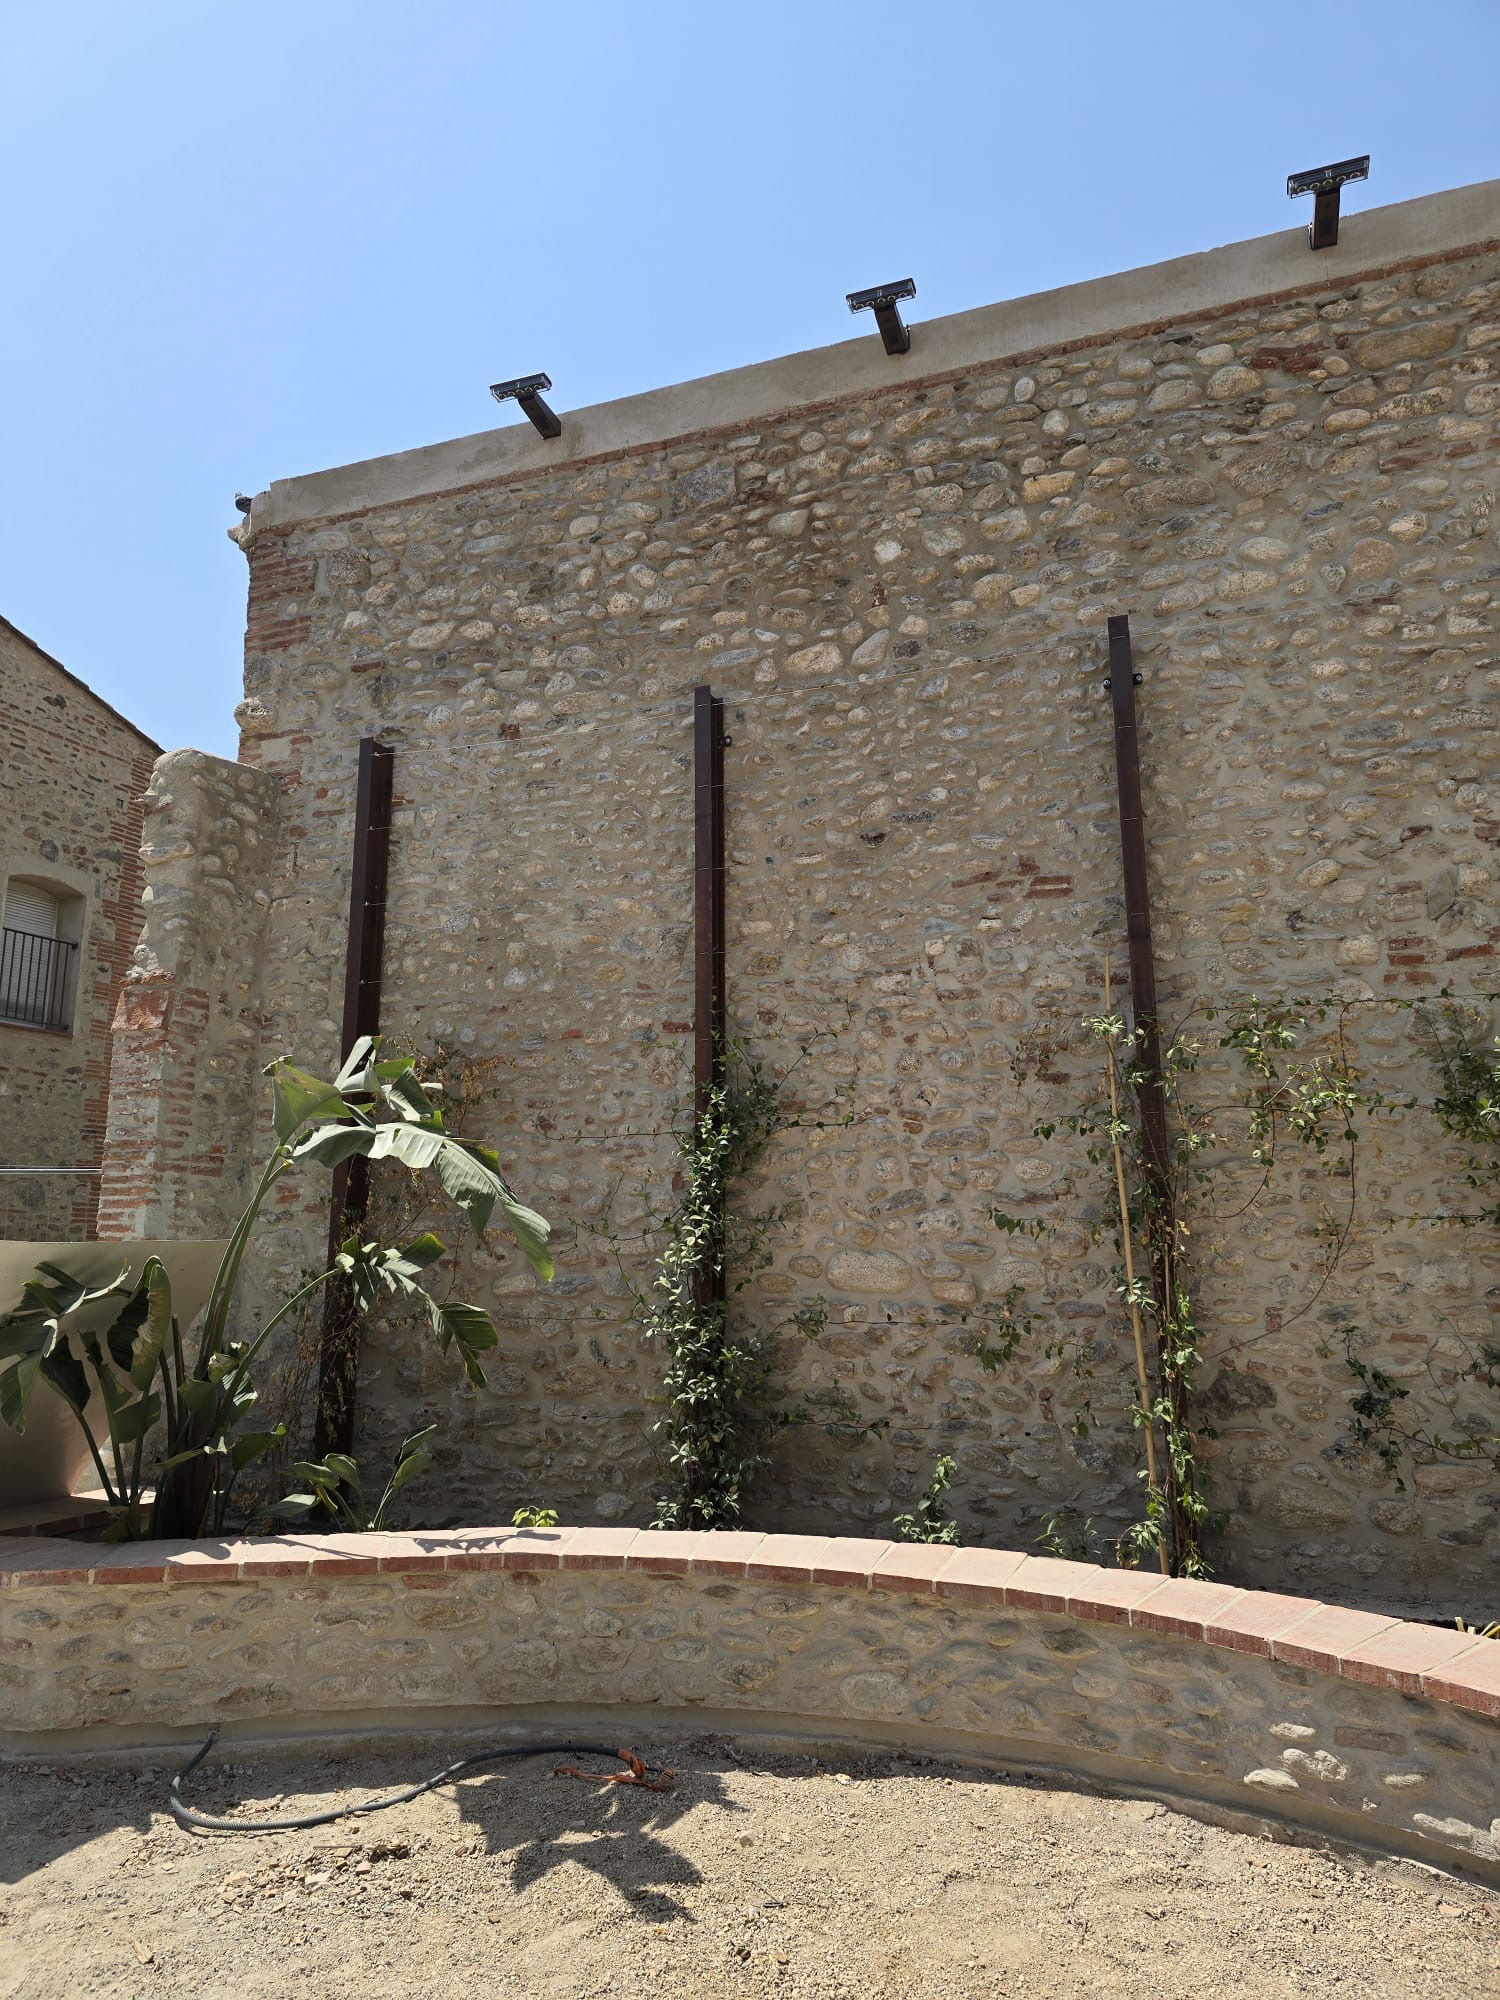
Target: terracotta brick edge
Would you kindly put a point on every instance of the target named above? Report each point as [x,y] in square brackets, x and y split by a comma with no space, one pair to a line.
[1297,1632]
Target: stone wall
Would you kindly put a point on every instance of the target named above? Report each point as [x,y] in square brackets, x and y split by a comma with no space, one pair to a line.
[900,588]
[1332,1719]
[70,821]
[187,1031]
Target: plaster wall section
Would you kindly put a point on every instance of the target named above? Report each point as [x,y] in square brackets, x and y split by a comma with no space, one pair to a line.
[186,1113]
[71,787]
[901,593]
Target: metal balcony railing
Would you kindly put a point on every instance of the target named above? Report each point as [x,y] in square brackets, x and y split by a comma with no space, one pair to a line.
[36,980]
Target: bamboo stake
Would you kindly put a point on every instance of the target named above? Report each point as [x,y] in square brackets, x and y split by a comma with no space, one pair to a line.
[1135,1312]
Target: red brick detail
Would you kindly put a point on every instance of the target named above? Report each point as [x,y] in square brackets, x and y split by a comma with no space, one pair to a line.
[848,1560]
[1047,1583]
[1184,1606]
[598,1548]
[914,1567]
[1322,1640]
[1114,1594]
[787,1558]
[281,586]
[1471,1681]
[1255,1619]
[976,1576]
[728,1553]
[1404,1654]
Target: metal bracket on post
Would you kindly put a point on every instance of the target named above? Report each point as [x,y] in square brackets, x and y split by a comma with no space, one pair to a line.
[525,391]
[881,300]
[1324,184]
[364,967]
[708,926]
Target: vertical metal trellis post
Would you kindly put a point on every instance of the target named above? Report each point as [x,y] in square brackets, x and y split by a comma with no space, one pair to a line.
[364,965]
[708,924]
[1137,898]
[1146,1063]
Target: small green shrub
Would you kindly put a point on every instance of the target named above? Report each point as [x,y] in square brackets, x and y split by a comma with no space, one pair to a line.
[931,1521]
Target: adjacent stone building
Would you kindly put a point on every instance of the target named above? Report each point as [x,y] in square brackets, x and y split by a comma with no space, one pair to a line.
[897,571]
[74,777]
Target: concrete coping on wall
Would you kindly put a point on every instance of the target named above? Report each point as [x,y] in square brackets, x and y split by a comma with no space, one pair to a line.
[1204,285]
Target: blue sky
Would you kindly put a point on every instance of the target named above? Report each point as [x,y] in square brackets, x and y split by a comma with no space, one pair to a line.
[247,242]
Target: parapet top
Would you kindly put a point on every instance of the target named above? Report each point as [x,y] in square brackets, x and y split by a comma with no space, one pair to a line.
[1207,282]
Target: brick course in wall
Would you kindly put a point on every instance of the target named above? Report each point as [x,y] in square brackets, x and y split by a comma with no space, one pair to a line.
[901,593]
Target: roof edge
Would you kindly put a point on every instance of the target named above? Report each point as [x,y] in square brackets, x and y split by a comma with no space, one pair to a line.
[1429,228]
[82,685]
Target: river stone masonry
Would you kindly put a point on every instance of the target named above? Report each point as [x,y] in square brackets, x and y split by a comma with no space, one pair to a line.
[1282,467]
[1338,1721]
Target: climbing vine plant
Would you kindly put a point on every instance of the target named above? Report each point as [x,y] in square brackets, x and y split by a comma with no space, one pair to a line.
[1297,1106]
[721,1395]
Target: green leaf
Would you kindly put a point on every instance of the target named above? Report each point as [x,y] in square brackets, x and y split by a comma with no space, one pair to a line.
[315,1475]
[469,1174]
[67,1293]
[120,1336]
[199,1398]
[180,1458]
[134,1420]
[157,1323]
[469,1328]
[253,1445]
[16,1386]
[358,1263]
[406,1096]
[531,1232]
[67,1374]
[353,1076]
[408,1468]
[329,1145]
[413,1145]
[297,1098]
[295,1507]
[415,1442]
[342,1466]
[401,1268]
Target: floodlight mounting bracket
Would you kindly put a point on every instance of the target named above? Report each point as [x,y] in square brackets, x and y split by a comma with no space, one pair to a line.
[526,390]
[881,300]
[1324,185]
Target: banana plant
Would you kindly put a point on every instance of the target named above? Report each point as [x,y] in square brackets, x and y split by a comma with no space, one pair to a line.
[175,1418]
[334,1486]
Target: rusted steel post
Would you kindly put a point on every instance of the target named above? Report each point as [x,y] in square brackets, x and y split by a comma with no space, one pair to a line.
[1137,900]
[708,894]
[1146,1057]
[708,933]
[364,966]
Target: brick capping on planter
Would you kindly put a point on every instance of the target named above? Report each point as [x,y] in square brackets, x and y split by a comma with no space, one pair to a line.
[1361,1646]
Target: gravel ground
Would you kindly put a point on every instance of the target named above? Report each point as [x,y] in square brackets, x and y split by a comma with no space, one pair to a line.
[876,1879]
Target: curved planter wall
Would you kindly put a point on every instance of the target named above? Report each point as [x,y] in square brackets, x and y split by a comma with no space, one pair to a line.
[1356,1724]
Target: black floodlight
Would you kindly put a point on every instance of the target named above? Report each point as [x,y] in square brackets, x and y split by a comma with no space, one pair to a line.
[881,300]
[1323,184]
[524,390]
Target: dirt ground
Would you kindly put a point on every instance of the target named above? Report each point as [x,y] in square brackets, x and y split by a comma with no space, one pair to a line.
[874,1879]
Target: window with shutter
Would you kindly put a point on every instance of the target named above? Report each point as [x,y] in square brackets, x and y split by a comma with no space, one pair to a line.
[36,960]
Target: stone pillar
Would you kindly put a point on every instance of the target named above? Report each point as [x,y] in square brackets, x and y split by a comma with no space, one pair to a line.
[185,1088]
